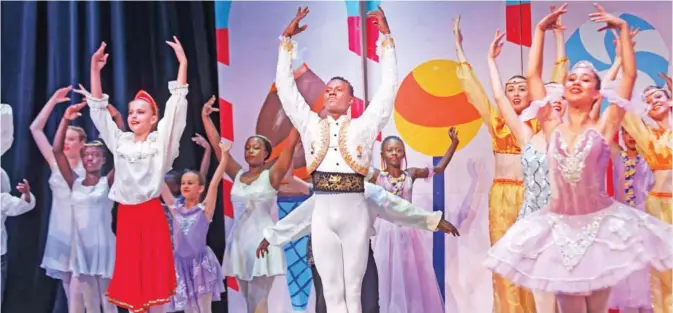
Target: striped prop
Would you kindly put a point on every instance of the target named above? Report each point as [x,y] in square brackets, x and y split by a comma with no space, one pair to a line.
[518,22]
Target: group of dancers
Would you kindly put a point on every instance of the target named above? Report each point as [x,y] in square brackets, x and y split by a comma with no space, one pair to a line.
[553,228]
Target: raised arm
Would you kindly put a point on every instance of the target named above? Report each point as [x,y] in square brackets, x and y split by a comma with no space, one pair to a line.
[172,125]
[669,82]
[380,108]
[536,87]
[37,126]
[560,71]
[214,139]
[13,206]
[71,113]
[282,164]
[521,131]
[610,121]
[168,197]
[416,172]
[205,161]
[211,196]
[474,91]
[101,116]
[294,105]
[6,128]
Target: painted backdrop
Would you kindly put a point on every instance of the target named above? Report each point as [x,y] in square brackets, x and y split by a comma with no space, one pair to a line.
[429,101]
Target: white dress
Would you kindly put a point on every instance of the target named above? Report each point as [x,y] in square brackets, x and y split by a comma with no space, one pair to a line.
[57,249]
[93,241]
[253,205]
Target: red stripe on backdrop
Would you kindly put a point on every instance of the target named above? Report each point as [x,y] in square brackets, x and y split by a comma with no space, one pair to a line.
[518,24]
[608,176]
[226,196]
[372,38]
[222,39]
[226,120]
[354,44]
[232,283]
[357,108]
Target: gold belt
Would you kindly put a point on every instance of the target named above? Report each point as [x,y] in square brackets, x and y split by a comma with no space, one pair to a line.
[324,182]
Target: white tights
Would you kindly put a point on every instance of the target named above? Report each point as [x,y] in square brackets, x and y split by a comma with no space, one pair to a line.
[545,302]
[596,302]
[256,293]
[340,232]
[87,294]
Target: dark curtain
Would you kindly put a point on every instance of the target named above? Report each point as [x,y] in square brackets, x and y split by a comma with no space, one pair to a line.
[48,45]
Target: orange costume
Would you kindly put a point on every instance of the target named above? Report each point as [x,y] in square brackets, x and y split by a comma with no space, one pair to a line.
[506,193]
[656,145]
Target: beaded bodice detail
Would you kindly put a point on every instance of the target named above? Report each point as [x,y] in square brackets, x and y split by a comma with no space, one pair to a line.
[535,180]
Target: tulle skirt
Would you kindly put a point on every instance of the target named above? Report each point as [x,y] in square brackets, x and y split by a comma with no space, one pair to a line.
[197,276]
[407,281]
[579,254]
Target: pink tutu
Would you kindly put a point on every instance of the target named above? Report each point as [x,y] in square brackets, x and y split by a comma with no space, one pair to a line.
[578,254]
[407,281]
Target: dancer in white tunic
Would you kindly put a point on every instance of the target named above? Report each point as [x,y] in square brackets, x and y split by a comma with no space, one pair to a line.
[338,152]
[93,243]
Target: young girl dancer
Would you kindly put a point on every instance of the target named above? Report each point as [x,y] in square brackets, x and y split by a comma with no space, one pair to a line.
[93,243]
[655,145]
[198,272]
[407,280]
[144,271]
[507,191]
[583,242]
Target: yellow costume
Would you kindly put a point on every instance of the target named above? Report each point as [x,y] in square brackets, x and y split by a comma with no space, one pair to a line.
[505,195]
[655,145]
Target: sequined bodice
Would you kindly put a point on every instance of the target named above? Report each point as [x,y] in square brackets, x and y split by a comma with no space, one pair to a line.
[632,180]
[190,227]
[535,180]
[577,173]
[400,186]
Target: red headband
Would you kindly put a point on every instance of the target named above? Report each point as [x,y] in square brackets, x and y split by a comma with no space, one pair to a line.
[143,95]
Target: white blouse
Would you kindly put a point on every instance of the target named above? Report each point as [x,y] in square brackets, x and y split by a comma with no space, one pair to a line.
[140,166]
[6,128]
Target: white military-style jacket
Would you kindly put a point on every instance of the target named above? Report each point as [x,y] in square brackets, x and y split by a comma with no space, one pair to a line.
[356,136]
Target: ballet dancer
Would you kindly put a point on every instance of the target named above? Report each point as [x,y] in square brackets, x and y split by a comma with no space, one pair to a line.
[655,146]
[338,152]
[386,205]
[583,242]
[144,270]
[507,192]
[12,206]
[198,272]
[93,243]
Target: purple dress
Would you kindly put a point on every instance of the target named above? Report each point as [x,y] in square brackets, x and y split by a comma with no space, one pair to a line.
[583,240]
[198,271]
[407,281]
[632,180]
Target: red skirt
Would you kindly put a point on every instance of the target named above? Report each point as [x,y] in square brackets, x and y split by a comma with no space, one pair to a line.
[144,271]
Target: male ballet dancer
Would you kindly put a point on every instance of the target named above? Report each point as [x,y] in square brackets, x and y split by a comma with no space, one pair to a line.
[338,152]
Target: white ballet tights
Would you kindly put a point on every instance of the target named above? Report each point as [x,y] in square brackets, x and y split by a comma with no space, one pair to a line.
[596,302]
[340,231]
[88,295]
[545,302]
[255,292]
[204,305]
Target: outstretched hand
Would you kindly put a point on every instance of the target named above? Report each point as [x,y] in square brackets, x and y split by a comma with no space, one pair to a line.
[199,140]
[179,51]
[23,187]
[72,112]
[551,21]
[496,45]
[453,134]
[293,28]
[262,249]
[559,27]
[448,228]
[618,44]
[99,58]
[610,20]
[379,20]
[208,107]
[457,34]
[61,95]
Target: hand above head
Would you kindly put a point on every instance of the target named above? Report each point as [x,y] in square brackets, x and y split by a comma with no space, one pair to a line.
[457,34]
[72,112]
[453,134]
[23,187]
[82,91]
[224,147]
[262,248]
[293,28]
[60,95]
[610,20]
[551,21]
[208,107]
[177,47]
[99,58]
[559,27]
[618,45]
[380,20]
[199,140]
[496,45]
[448,228]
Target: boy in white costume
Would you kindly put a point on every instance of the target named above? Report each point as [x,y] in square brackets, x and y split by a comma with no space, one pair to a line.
[338,154]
